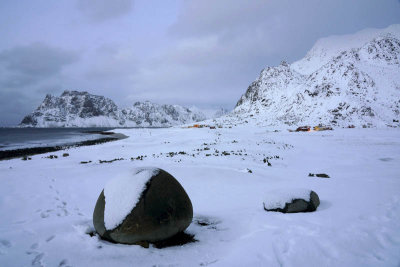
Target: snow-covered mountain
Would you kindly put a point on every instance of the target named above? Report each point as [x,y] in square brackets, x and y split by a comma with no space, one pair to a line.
[220,112]
[211,113]
[343,80]
[150,114]
[81,109]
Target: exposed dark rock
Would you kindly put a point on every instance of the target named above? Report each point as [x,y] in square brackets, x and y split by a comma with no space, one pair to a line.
[163,210]
[320,175]
[110,161]
[299,205]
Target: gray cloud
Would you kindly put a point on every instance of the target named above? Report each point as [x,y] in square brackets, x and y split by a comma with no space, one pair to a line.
[23,65]
[103,10]
[25,70]
[13,107]
[219,47]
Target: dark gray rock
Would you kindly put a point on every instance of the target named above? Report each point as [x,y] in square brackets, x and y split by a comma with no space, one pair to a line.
[299,205]
[320,175]
[163,210]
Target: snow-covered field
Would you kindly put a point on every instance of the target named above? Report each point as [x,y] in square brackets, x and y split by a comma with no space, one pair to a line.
[46,205]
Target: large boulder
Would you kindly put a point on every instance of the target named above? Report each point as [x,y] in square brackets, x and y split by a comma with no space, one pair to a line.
[291,201]
[144,205]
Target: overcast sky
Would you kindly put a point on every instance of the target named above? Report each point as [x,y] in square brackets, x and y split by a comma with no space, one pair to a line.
[200,52]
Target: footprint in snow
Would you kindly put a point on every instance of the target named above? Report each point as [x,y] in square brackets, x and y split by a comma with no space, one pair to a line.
[37,261]
[50,238]
[61,205]
[209,223]
[33,248]
[4,245]
[63,263]
[38,256]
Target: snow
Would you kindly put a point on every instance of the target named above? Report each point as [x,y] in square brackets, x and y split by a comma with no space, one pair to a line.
[278,198]
[46,205]
[325,49]
[342,81]
[81,109]
[123,193]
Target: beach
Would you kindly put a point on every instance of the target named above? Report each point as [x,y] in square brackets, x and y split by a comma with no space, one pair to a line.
[46,204]
[25,142]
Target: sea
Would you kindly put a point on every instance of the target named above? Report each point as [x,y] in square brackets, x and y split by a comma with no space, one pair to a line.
[18,138]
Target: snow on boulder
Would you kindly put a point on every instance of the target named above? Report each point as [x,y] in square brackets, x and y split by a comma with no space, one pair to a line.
[122,194]
[145,204]
[291,200]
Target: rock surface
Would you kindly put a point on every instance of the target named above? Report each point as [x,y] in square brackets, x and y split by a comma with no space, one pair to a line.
[163,210]
[297,205]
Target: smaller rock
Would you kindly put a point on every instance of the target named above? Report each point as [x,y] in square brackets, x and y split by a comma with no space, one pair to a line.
[291,201]
[65,155]
[320,175]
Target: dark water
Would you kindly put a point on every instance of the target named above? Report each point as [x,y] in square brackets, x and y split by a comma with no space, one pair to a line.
[16,138]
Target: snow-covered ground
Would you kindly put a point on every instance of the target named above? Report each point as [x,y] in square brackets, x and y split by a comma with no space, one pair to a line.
[46,205]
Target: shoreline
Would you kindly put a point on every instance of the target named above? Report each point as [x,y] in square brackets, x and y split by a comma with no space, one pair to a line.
[31,151]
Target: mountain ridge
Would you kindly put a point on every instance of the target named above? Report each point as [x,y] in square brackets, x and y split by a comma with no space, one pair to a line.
[82,109]
[356,86]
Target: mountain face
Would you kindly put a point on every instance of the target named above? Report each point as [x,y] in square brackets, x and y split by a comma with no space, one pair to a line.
[81,109]
[150,114]
[219,113]
[342,81]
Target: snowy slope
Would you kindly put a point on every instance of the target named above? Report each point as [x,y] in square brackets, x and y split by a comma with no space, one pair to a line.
[327,48]
[81,109]
[342,81]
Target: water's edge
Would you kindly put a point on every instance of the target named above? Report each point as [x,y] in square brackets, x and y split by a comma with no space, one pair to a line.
[22,152]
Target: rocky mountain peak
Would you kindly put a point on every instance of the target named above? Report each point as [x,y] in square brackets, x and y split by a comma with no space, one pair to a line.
[358,85]
[82,109]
